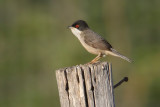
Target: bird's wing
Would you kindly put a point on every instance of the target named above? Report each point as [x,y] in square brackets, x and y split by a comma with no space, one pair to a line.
[96,41]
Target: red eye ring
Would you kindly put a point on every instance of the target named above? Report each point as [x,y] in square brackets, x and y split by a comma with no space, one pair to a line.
[77,26]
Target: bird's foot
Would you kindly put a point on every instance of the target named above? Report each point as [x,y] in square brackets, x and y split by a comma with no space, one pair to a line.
[93,62]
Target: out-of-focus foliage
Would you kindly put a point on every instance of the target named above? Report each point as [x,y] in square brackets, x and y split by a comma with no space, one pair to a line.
[34,42]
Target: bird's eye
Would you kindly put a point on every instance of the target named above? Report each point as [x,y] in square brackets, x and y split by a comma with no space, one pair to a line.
[77,26]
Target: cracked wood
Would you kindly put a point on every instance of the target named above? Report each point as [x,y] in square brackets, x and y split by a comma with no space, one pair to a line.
[86,86]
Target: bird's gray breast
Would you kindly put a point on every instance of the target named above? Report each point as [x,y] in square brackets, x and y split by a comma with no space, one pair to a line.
[96,41]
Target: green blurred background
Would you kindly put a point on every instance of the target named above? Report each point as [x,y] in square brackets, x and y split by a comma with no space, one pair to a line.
[34,42]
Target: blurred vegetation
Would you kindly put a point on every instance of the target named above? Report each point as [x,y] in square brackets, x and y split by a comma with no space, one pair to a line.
[34,42]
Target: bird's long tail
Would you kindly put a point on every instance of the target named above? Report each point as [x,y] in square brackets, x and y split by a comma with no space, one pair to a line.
[115,53]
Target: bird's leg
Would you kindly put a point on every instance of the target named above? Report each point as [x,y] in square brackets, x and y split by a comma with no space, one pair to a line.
[96,58]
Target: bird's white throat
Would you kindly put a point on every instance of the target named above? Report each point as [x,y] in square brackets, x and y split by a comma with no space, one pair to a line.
[76,32]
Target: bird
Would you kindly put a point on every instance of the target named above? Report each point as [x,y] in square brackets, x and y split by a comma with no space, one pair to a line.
[93,42]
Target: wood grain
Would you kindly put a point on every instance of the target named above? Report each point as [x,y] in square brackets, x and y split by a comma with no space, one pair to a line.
[86,85]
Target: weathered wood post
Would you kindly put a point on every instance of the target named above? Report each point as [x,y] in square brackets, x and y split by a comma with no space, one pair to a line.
[86,86]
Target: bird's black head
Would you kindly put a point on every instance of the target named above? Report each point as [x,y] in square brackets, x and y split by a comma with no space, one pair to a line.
[80,25]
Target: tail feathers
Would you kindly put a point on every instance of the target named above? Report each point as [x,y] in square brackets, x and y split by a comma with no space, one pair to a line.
[115,53]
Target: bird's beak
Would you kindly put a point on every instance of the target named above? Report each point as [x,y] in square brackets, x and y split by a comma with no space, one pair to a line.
[69,27]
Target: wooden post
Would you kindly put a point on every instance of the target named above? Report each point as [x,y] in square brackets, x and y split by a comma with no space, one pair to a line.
[86,86]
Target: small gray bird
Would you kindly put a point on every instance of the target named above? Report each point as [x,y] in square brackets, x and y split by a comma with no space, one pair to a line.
[93,42]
